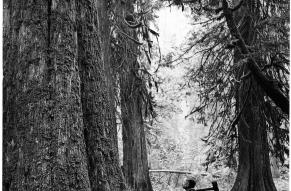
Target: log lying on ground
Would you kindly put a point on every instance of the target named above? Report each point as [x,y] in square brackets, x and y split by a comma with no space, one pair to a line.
[172,171]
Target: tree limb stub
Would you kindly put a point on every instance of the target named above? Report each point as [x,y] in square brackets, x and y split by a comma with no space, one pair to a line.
[267,85]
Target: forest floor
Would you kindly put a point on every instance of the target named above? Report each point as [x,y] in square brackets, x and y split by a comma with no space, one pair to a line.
[181,148]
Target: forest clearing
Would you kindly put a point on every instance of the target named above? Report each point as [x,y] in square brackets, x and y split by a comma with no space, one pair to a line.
[145,95]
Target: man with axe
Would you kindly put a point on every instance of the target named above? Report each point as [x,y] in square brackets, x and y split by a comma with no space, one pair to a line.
[190,184]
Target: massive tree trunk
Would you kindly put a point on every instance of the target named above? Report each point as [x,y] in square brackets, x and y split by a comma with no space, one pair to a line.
[135,161]
[43,128]
[254,173]
[56,138]
[97,99]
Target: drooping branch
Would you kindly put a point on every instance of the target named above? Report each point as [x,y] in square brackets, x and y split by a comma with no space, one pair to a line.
[129,37]
[269,86]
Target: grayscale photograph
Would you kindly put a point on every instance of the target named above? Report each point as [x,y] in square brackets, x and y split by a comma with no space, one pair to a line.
[145,95]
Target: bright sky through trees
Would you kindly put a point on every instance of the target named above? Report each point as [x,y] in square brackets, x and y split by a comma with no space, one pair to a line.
[174,26]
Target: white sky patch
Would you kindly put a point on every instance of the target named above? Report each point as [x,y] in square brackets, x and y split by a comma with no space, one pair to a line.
[174,25]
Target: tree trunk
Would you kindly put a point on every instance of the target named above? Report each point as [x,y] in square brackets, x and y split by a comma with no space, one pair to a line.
[44,145]
[254,173]
[55,137]
[97,99]
[135,161]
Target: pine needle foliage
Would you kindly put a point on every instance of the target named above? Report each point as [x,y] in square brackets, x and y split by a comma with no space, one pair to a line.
[216,76]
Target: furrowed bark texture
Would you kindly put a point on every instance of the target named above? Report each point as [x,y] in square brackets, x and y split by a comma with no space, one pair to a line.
[43,128]
[97,99]
[254,173]
[135,161]
[56,138]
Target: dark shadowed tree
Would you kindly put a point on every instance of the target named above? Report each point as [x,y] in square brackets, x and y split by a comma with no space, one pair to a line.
[55,137]
[254,172]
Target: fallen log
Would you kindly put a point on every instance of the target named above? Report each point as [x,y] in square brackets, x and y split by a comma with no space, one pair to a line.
[172,171]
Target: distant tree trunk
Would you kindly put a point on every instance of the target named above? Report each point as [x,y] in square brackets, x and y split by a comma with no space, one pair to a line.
[135,160]
[254,173]
[135,163]
[43,128]
[97,99]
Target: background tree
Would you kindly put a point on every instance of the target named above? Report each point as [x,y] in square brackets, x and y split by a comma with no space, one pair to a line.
[135,101]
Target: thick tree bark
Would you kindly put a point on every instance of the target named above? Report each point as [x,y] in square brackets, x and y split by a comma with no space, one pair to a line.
[97,99]
[44,145]
[135,160]
[135,163]
[254,173]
